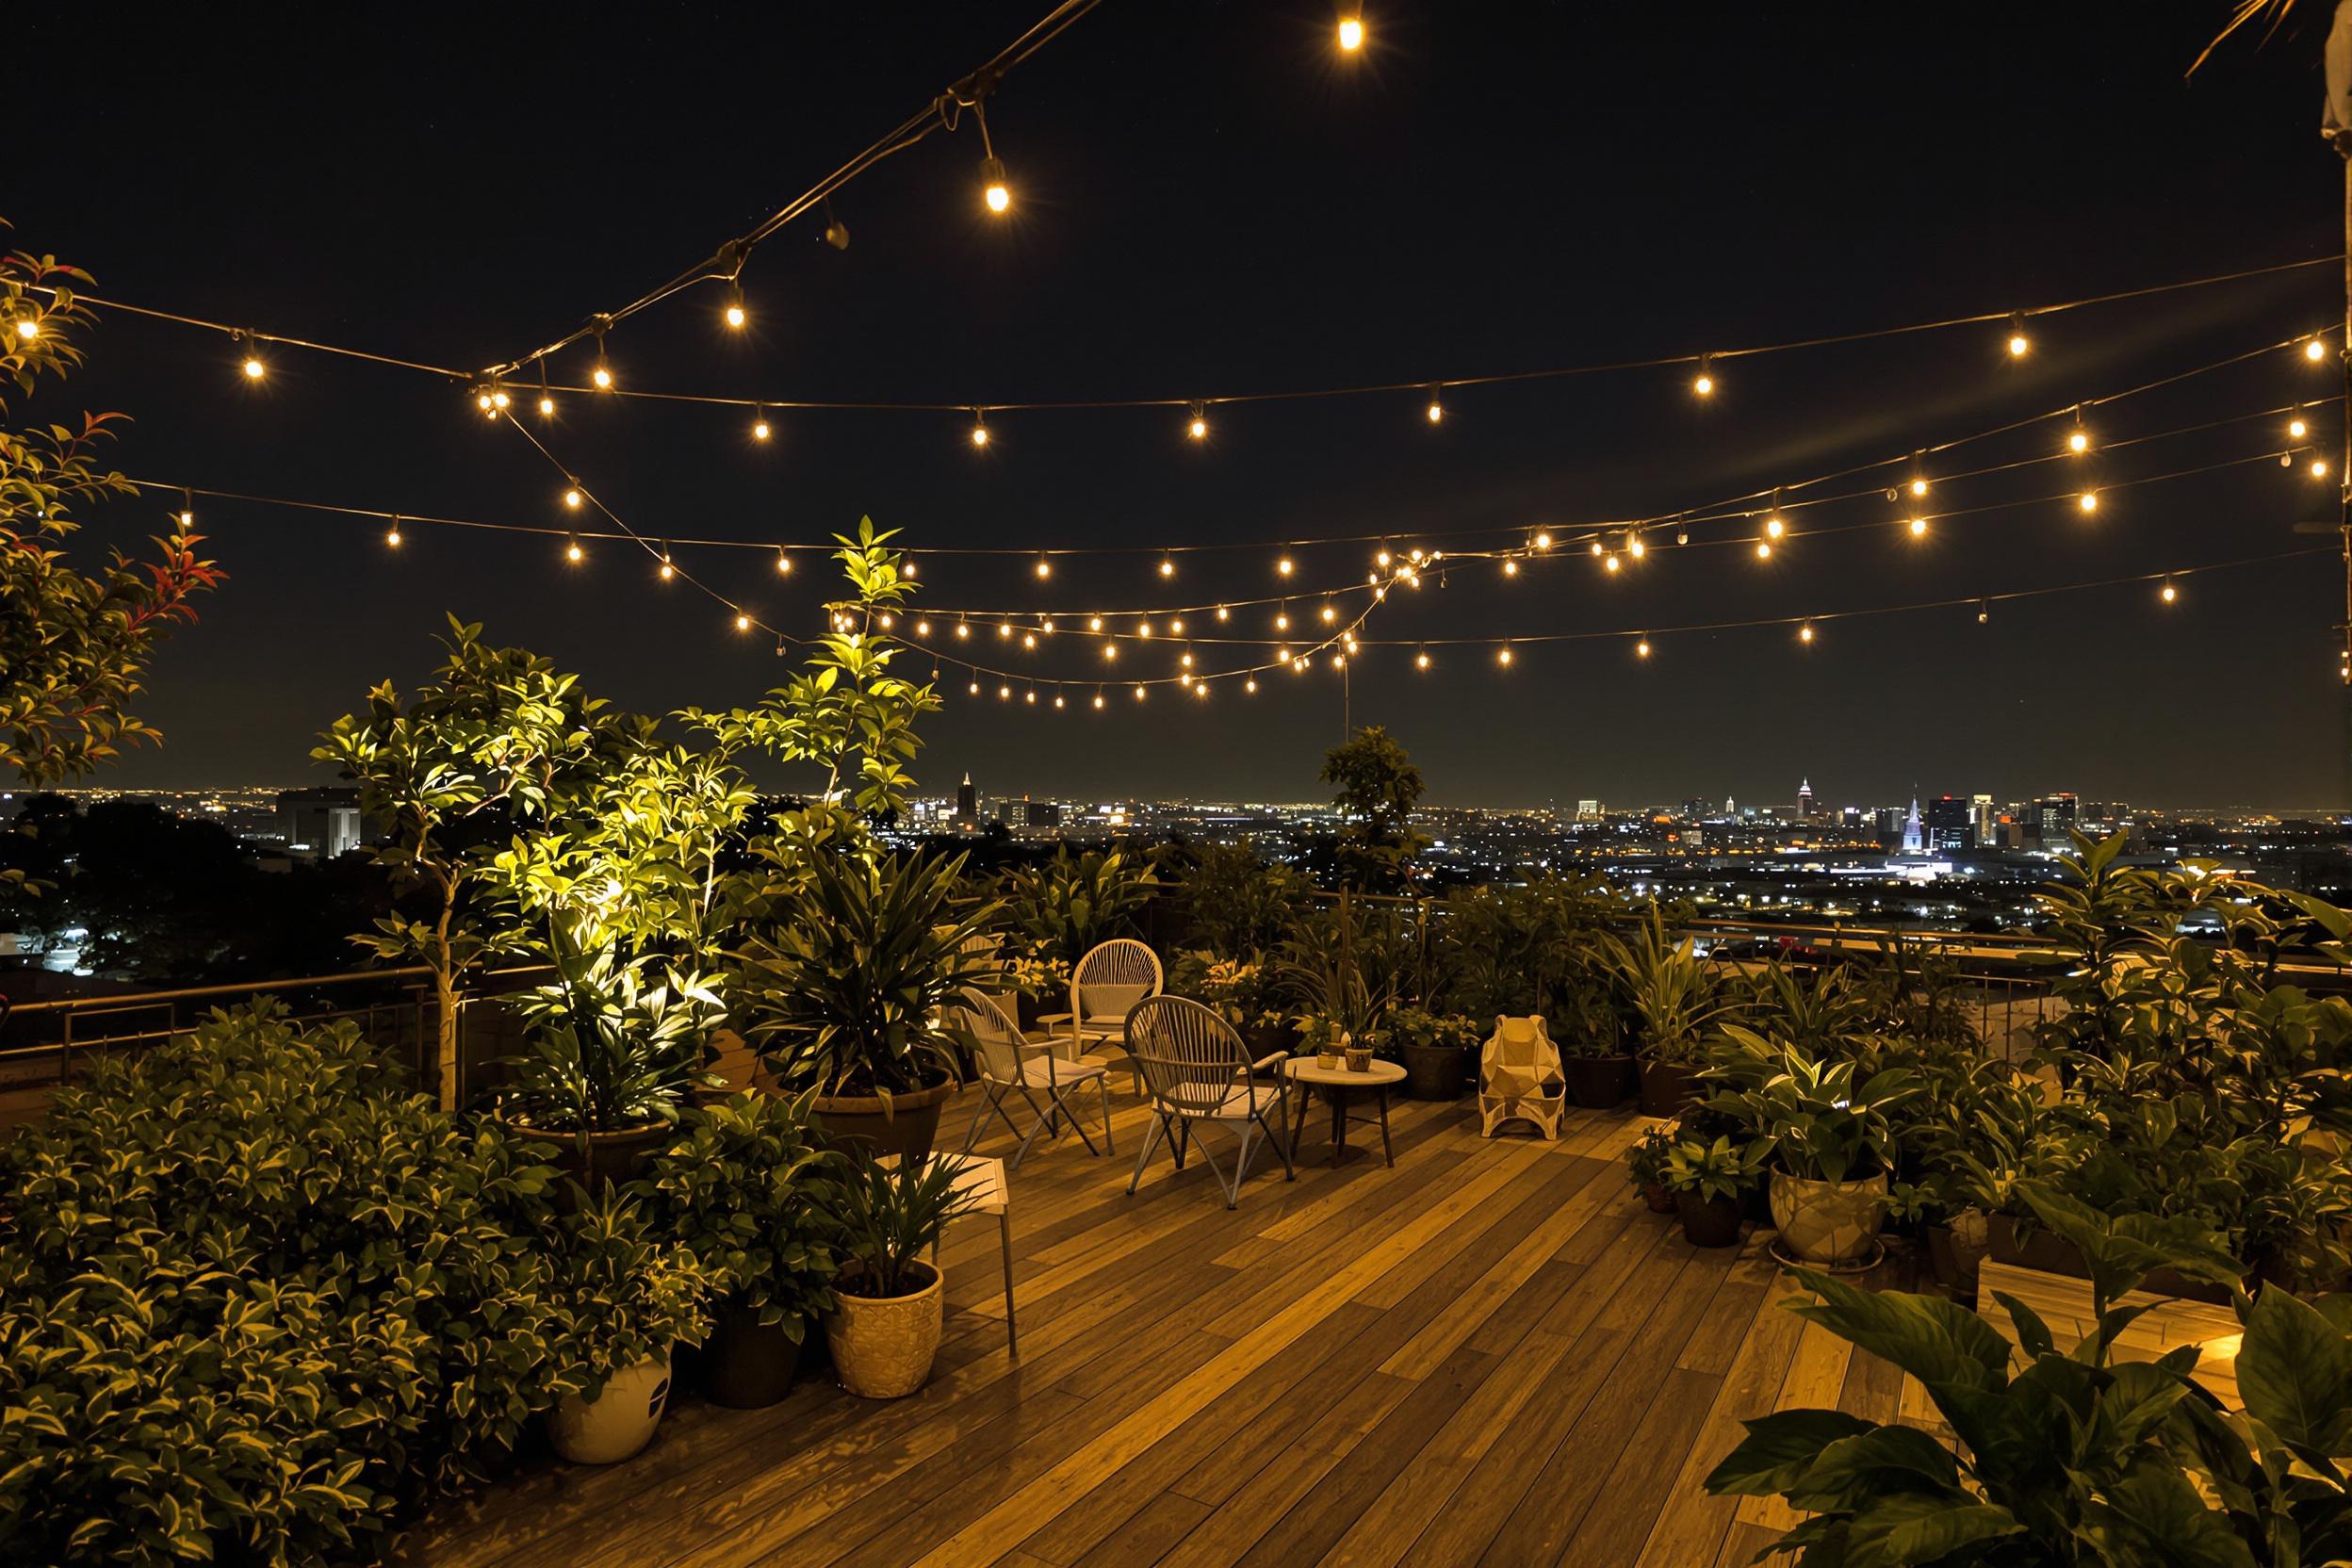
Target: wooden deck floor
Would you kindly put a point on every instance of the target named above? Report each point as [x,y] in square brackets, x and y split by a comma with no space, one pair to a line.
[1491,1353]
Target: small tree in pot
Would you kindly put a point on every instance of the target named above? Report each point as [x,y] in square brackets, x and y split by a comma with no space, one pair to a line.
[622,1301]
[1676,997]
[749,1192]
[1584,1026]
[885,1328]
[848,988]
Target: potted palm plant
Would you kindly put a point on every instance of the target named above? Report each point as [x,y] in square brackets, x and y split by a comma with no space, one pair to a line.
[619,1304]
[846,989]
[616,1049]
[889,1304]
[748,1190]
[1829,1139]
[1707,1181]
[1677,997]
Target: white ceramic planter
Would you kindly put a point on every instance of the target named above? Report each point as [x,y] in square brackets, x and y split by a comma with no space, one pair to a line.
[883,1348]
[1828,1222]
[616,1423]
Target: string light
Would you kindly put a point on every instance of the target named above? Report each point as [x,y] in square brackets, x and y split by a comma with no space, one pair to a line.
[1281,619]
[2087,500]
[1251,685]
[1502,655]
[1775,525]
[1421,660]
[743,623]
[2169,593]
[1110,653]
[1176,627]
[1919,475]
[1138,694]
[1199,427]
[1223,613]
[2315,349]
[1596,548]
[1168,566]
[1200,688]
[735,316]
[1094,623]
[1030,695]
[1329,613]
[1098,698]
[1044,568]
[1704,383]
[2078,440]
[1510,567]
[1003,632]
[2020,344]
[1918,528]
[1057,700]
[1983,611]
[668,571]
[1284,567]
[2319,467]
[1805,632]
[573,554]
[979,427]
[2297,428]
[1634,546]
[922,628]
[1004,693]
[28,327]
[392,534]
[1763,550]
[1350,33]
[1143,628]
[572,497]
[1029,641]
[962,629]
[1641,648]
[1542,541]
[1436,409]
[253,367]
[973,688]
[783,565]
[760,425]
[1609,563]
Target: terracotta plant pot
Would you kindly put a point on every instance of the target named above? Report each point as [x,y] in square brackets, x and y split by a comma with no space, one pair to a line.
[905,1128]
[1828,1222]
[883,1346]
[1598,1082]
[608,1157]
[616,1423]
[1708,1222]
[1658,1197]
[1433,1071]
[1668,1088]
[746,1363]
[1358,1058]
[1330,1059]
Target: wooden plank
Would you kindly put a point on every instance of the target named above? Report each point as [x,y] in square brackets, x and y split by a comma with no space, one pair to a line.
[1148,1537]
[1817,1376]
[1616,1527]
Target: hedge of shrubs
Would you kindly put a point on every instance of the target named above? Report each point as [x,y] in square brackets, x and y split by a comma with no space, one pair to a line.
[255,1308]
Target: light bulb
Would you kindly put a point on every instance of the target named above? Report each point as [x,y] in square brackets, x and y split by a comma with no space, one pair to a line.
[2170,593]
[2078,443]
[760,428]
[1641,648]
[1636,549]
[668,571]
[1003,630]
[602,376]
[1143,628]
[2087,500]
[1436,411]
[922,628]
[1510,569]
[1201,689]
[547,405]
[392,535]
[1251,685]
[979,434]
[1199,428]
[1097,699]
[2315,349]
[2297,428]
[1774,526]
[1918,488]
[1045,567]
[573,554]
[995,189]
[1167,568]
[1503,656]
[1281,623]
[254,368]
[962,629]
[783,564]
[1542,541]
[1094,623]
[743,623]
[1284,566]
[29,329]
[1350,34]
[1057,700]
[1176,628]
[1187,660]
[1329,615]
[572,497]
[1029,640]
[1138,694]
[1046,626]
[1704,386]
[1805,632]
[973,688]
[1918,527]
[1596,548]
[1763,550]
[1029,696]
[1004,693]
[1421,660]
[1223,613]
[2019,345]
[735,313]
[2319,467]
[1110,653]
[1611,562]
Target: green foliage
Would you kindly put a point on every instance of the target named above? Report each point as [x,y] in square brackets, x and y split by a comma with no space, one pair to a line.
[1246,992]
[1712,1170]
[748,1191]
[1419,1027]
[1377,788]
[1061,910]
[1516,949]
[622,1294]
[1238,905]
[73,644]
[1817,1117]
[1645,1157]
[610,1048]
[889,1215]
[253,1308]
[847,987]
[1675,995]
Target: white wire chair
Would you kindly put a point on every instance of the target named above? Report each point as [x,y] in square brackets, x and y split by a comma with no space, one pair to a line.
[1198,1072]
[1520,1077]
[1012,1068]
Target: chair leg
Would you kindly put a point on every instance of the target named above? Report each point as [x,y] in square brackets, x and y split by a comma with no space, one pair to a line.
[1152,1134]
[1005,1228]
[1103,1083]
[1282,1140]
[1183,1140]
[1241,1166]
[987,1107]
[1062,1109]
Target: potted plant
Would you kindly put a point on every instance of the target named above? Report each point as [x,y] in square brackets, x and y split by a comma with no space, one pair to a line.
[1830,1142]
[616,1052]
[1434,1049]
[748,1190]
[1600,1075]
[1646,1165]
[1242,993]
[889,1304]
[1707,1181]
[621,1302]
[1677,997]
[847,988]
[1322,1035]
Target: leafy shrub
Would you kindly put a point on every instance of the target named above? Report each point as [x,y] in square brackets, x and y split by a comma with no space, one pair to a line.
[746,1189]
[252,1308]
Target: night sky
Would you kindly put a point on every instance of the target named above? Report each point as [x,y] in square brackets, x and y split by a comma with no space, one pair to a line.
[1210,201]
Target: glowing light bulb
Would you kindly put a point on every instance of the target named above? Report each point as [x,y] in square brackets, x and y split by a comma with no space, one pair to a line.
[1805,632]
[743,623]
[1003,630]
[2319,467]
[1918,527]
[1503,656]
[735,316]
[1138,694]
[1251,685]
[2297,428]
[1281,623]
[602,376]
[1763,550]
[499,399]
[922,628]
[760,428]
[1110,653]
[1704,384]
[1436,411]
[1044,567]
[482,401]
[1596,548]
[2078,443]
[2315,349]
[1201,689]
[1167,568]
[2170,594]
[1510,569]
[1421,660]
[1542,541]
[1284,567]
[1004,693]
[1176,628]
[963,630]
[392,536]
[995,189]
[1097,699]
[1223,613]
[572,497]
[783,564]
[1918,488]
[979,434]
[668,571]
[1094,623]
[1029,640]
[1029,696]
[29,329]
[1046,626]
[2019,345]
[1774,526]
[1350,34]
[573,554]
[1057,700]
[254,368]
[1641,648]
[547,405]
[1611,562]
[1636,549]
[1329,615]
[2087,500]
[1199,428]
[1143,628]
[973,688]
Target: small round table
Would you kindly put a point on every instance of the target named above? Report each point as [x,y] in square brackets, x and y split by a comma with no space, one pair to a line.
[1337,1083]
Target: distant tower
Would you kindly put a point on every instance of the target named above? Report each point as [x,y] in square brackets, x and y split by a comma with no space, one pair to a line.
[1914,835]
[1805,800]
[966,801]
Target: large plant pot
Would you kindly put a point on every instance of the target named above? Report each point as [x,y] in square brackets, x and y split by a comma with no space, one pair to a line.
[1598,1082]
[1432,1071]
[1828,1222]
[2051,1253]
[607,1157]
[905,1129]
[1708,1222]
[883,1347]
[616,1423]
[746,1363]
[1668,1088]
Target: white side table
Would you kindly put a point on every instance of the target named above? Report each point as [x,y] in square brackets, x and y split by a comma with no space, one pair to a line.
[1339,1086]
